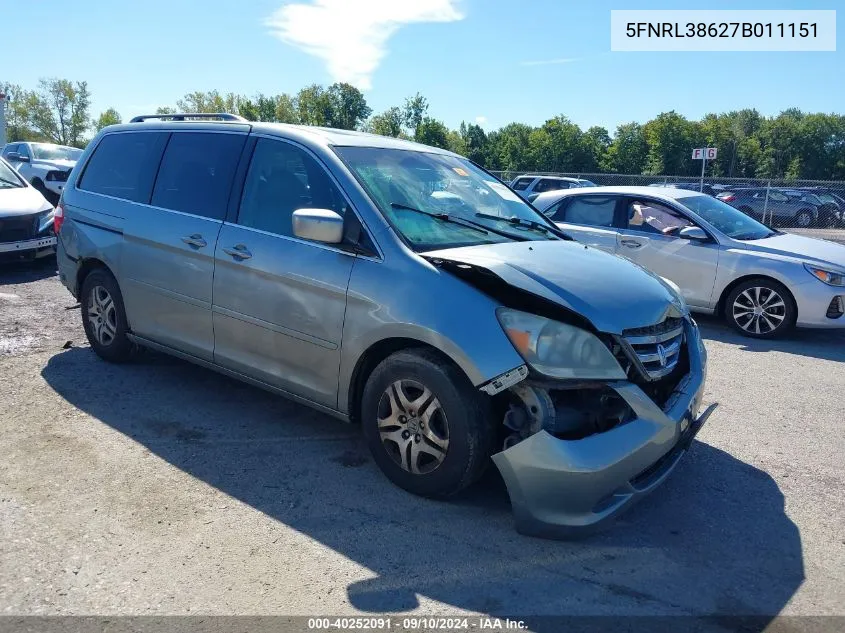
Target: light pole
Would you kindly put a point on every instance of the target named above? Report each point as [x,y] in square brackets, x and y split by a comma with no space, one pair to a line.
[2,119]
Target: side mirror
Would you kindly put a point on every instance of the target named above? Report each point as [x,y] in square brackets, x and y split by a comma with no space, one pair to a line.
[693,233]
[318,225]
[17,158]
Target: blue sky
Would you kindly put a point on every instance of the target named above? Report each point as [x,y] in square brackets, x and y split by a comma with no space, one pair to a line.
[470,58]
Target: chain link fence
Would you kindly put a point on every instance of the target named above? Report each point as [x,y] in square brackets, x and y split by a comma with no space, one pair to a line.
[812,207]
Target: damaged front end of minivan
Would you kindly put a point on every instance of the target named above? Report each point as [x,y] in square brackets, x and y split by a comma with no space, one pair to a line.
[593,421]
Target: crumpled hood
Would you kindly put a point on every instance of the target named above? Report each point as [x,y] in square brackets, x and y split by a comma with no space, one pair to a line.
[612,293]
[21,201]
[807,249]
[61,164]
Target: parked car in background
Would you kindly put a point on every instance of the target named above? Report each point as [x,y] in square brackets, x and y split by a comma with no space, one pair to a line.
[833,198]
[26,218]
[689,186]
[761,280]
[529,187]
[271,253]
[828,210]
[44,165]
[781,209]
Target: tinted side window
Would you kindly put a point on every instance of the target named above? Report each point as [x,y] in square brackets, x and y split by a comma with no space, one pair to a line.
[522,184]
[9,149]
[125,165]
[197,171]
[547,184]
[588,210]
[23,150]
[281,179]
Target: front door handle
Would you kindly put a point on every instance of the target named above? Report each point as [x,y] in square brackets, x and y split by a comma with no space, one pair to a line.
[238,251]
[631,243]
[195,240]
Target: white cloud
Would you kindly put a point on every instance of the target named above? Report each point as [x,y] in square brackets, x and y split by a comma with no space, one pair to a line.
[481,120]
[549,62]
[351,35]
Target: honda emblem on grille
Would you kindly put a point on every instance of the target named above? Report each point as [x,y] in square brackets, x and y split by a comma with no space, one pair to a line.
[661,354]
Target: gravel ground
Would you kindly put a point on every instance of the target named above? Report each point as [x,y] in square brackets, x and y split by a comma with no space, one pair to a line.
[162,488]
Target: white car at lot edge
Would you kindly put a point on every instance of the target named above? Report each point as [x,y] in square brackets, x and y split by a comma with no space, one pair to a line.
[762,281]
[26,218]
[44,165]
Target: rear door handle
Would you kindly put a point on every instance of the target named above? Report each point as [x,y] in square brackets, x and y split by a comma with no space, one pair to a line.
[195,240]
[631,243]
[238,251]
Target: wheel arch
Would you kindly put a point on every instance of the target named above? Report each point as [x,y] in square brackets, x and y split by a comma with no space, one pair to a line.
[86,267]
[374,355]
[726,291]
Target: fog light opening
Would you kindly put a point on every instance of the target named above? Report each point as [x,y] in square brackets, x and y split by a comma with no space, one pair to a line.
[836,308]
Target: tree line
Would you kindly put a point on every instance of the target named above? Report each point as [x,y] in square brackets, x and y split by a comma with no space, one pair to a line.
[792,145]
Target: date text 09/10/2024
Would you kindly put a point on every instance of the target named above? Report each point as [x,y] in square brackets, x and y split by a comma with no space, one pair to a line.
[412,623]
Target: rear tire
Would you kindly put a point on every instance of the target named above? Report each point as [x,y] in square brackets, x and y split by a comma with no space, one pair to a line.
[804,219]
[428,429]
[104,317]
[761,308]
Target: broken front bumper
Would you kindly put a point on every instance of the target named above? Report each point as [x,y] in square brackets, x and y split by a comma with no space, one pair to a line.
[561,488]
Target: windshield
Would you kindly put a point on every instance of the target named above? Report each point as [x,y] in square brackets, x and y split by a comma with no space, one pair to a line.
[45,151]
[732,222]
[434,200]
[8,177]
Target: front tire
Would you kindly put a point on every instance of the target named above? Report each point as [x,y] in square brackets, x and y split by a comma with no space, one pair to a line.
[428,429]
[804,219]
[761,308]
[104,317]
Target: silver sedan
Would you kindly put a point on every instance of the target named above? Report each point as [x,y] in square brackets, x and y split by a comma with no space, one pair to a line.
[763,281]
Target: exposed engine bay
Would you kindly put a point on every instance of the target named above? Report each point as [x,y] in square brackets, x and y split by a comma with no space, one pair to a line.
[568,414]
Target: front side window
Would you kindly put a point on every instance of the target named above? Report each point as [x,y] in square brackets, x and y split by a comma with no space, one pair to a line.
[441,201]
[587,210]
[124,165]
[649,216]
[196,173]
[281,179]
[10,149]
[23,150]
[550,184]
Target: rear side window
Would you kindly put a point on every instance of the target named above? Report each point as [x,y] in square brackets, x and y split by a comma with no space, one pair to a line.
[9,149]
[124,165]
[588,210]
[196,173]
[548,184]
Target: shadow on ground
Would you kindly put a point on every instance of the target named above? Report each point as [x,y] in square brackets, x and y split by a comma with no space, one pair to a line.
[713,541]
[822,344]
[24,272]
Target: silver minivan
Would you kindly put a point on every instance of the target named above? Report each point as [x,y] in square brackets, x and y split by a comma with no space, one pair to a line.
[394,285]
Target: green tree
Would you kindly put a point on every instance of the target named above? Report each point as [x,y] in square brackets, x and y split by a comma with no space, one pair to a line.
[671,139]
[109,117]
[18,124]
[314,106]
[628,152]
[432,132]
[595,144]
[509,148]
[476,143]
[349,107]
[414,111]
[59,110]
[387,123]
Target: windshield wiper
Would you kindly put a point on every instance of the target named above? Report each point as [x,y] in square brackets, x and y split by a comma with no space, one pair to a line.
[531,224]
[10,182]
[445,217]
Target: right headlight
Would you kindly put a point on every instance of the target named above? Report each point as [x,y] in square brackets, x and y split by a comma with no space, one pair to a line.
[830,277]
[559,350]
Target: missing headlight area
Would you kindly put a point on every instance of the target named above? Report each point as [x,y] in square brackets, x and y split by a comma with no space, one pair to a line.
[568,414]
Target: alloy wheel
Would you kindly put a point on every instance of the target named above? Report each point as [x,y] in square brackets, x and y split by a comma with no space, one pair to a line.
[102,316]
[413,426]
[759,310]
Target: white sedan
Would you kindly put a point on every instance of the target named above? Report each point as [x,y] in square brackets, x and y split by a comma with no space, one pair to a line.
[763,281]
[26,218]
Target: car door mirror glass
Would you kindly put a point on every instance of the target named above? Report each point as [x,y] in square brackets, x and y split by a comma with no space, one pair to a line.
[692,233]
[318,225]
[15,157]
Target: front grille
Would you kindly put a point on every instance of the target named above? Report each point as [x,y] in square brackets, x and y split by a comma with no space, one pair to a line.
[655,349]
[18,228]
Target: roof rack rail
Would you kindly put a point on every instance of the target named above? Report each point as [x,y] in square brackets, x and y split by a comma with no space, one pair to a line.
[181,116]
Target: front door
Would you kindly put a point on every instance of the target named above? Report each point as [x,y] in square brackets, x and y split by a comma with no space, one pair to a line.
[279,301]
[650,239]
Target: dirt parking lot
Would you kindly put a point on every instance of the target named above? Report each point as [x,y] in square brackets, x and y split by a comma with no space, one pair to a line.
[162,488]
